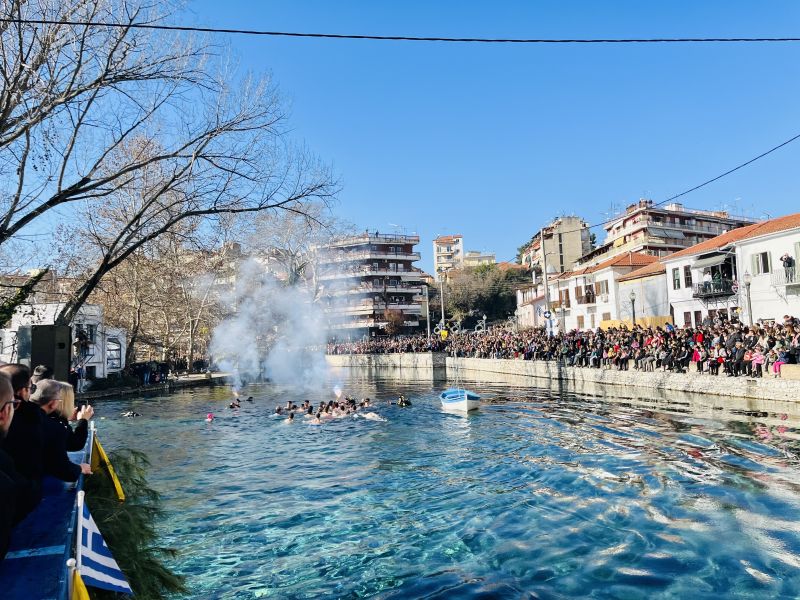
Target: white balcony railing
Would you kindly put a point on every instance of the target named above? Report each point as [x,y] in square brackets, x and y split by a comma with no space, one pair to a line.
[785,276]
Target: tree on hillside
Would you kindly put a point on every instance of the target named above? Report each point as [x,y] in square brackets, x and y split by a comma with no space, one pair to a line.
[486,289]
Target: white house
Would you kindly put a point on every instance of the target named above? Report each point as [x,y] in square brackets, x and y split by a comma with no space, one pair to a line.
[590,297]
[646,292]
[102,354]
[774,290]
[711,278]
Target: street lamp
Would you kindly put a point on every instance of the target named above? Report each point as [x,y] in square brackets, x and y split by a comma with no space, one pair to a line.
[484,322]
[633,306]
[748,279]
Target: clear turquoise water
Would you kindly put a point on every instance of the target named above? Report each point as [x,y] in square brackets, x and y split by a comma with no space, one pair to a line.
[532,497]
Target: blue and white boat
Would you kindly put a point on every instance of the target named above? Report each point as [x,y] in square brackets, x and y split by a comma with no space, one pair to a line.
[459,400]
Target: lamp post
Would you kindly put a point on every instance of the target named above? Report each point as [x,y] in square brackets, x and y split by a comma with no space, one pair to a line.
[484,322]
[748,279]
[633,306]
[427,310]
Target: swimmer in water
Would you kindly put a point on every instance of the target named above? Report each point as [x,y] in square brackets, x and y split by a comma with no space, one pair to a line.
[290,419]
[278,410]
[317,420]
[235,404]
[131,414]
[401,401]
[209,417]
[249,398]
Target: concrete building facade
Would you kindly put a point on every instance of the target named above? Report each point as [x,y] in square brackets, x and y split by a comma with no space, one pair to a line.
[473,258]
[448,254]
[369,284]
[566,240]
[661,230]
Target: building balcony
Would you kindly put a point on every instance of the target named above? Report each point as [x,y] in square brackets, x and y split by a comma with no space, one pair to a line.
[367,323]
[714,289]
[377,306]
[785,276]
[366,271]
[587,299]
[369,255]
[402,288]
[374,238]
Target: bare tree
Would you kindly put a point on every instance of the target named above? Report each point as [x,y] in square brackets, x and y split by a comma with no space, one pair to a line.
[288,241]
[136,128]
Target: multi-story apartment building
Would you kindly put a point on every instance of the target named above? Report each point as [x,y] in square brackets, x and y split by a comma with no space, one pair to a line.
[660,230]
[566,239]
[473,258]
[370,284]
[448,253]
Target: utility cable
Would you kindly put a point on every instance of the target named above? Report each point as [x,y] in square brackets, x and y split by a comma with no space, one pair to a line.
[401,38]
[697,187]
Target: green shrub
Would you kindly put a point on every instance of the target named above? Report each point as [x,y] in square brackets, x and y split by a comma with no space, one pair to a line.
[129,528]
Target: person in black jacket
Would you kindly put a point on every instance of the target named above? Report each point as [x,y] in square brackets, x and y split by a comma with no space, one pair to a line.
[24,441]
[49,396]
[9,487]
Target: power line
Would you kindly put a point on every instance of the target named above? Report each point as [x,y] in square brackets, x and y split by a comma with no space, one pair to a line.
[401,38]
[697,187]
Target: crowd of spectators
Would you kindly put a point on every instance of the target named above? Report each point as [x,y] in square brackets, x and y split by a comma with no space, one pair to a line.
[716,347]
[35,436]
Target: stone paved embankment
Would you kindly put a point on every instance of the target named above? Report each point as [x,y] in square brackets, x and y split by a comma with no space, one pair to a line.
[423,365]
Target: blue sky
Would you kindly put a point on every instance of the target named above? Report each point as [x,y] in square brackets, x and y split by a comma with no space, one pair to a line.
[493,141]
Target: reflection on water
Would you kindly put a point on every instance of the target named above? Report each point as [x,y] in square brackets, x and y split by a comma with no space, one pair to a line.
[532,496]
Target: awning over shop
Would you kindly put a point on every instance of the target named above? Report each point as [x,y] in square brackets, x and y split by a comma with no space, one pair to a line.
[712,261]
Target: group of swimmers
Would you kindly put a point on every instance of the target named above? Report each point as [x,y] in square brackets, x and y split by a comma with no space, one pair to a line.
[333,409]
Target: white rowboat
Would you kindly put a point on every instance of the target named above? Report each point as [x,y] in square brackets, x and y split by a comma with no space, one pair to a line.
[459,400]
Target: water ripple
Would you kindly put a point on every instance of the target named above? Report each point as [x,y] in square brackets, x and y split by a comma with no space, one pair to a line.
[535,496]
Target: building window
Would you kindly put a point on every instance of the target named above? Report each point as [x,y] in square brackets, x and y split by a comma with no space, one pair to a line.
[687,276]
[580,322]
[761,263]
[676,279]
[601,287]
[606,316]
[113,353]
[687,319]
[86,333]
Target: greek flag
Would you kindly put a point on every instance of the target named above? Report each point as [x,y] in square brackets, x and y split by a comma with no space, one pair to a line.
[96,565]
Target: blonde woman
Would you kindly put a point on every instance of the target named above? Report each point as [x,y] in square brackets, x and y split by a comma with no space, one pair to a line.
[67,412]
[59,436]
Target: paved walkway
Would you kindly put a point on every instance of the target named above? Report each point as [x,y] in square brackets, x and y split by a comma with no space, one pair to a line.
[191,380]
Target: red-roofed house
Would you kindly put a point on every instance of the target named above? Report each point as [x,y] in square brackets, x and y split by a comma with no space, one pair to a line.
[583,298]
[711,278]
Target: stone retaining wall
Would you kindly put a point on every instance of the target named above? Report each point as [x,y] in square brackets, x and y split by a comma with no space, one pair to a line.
[521,372]
[426,362]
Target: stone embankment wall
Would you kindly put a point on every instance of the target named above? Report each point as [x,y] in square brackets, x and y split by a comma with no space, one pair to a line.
[518,372]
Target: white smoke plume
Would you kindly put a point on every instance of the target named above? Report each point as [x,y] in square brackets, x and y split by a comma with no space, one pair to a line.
[273,331]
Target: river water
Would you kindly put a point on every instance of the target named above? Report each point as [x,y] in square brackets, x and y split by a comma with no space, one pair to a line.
[536,495]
